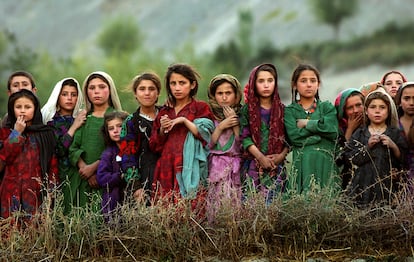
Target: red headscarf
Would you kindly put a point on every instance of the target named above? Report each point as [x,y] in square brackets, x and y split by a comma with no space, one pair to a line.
[277,128]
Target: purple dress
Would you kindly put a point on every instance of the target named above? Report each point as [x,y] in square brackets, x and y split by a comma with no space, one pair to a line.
[224,163]
[109,178]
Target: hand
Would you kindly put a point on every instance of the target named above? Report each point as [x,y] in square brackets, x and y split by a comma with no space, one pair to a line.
[139,195]
[301,123]
[228,111]
[229,122]
[373,139]
[386,141]
[80,119]
[354,121]
[20,124]
[266,162]
[86,171]
[93,182]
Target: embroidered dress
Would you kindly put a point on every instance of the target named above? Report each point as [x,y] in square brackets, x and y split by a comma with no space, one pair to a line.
[87,144]
[314,147]
[138,161]
[170,146]
[372,180]
[23,182]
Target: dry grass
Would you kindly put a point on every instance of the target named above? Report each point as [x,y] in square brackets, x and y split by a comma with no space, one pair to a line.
[302,226]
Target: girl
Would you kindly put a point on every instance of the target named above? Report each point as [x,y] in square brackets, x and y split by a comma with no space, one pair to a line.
[100,97]
[349,106]
[262,132]
[138,161]
[62,112]
[108,174]
[376,149]
[28,154]
[180,133]
[224,160]
[392,81]
[312,131]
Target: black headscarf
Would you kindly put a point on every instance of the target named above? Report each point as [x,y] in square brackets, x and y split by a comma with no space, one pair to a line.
[43,134]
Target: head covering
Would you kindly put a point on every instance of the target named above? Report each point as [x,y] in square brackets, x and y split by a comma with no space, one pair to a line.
[51,106]
[392,72]
[340,103]
[393,109]
[215,107]
[42,133]
[399,96]
[369,87]
[277,128]
[114,99]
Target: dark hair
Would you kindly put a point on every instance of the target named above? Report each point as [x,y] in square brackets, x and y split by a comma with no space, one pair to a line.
[147,76]
[379,95]
[108,117]
[70,82]
[392,72]
[295,77]
[21,73]
[268,68]
[185,70]
[93,76]
[11,118]
[352,94]
[398,97]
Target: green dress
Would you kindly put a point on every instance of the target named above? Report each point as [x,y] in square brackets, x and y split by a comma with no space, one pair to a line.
[314,147]
[88,144]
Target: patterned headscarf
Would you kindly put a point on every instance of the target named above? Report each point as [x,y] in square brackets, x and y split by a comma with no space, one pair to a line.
[51,106]
[212,88]
[340,103]
[277,128]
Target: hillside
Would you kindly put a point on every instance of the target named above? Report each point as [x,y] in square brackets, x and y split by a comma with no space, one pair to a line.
[68,27]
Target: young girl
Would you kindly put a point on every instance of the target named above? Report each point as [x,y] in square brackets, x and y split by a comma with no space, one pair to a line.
[262,133]
[312,131]
[100,97]
[108,174]
[62,112]
[224,160]
[28,154]
[376,149]
[138,161]
[392,81]
[180,133]
[349,106]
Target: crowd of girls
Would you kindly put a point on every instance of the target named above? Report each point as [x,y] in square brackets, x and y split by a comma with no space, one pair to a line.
[81,144]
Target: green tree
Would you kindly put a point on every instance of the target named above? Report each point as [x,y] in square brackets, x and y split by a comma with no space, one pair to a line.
[333,12]
[120,36]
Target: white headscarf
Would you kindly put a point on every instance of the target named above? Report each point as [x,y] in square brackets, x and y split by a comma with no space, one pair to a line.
[114,95]
[51,106]
[393,108]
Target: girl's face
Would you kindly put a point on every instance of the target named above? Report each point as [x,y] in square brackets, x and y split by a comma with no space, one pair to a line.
[392,82]
[307,84]
[98,92]
[25,107]
[18,83]
[67,99]
[225,95]
[265,84]
[354,106]
[180,87]
[407,100]
[146,93]
[377,112]
[114,129]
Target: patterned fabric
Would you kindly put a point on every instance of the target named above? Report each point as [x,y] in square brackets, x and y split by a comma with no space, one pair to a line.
[340,103]
[109,178]
[170,145]
[314,147]
[23,183]
[138,161]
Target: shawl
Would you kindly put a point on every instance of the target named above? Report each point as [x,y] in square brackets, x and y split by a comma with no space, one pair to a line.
[114,98]
[195,159]
[51,106]
[394,114]
[42,133]
[215,107]
[340,103]
[277,128]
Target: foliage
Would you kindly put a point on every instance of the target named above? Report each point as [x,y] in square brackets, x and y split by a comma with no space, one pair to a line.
[333,12]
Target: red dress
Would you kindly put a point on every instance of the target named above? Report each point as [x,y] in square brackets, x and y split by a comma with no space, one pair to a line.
[23,181]
[170,145]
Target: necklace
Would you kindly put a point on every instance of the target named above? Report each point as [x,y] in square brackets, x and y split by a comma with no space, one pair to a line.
[311,109]
[148,117]
[377,130]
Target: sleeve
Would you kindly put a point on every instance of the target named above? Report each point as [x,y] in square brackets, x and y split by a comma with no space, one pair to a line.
[130,143]
[63,140]
[106,175]
[203,111]
[157,140]
[327,125]
[298,137]
[356,150]
[12,147]
[245,134]
[75,149]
